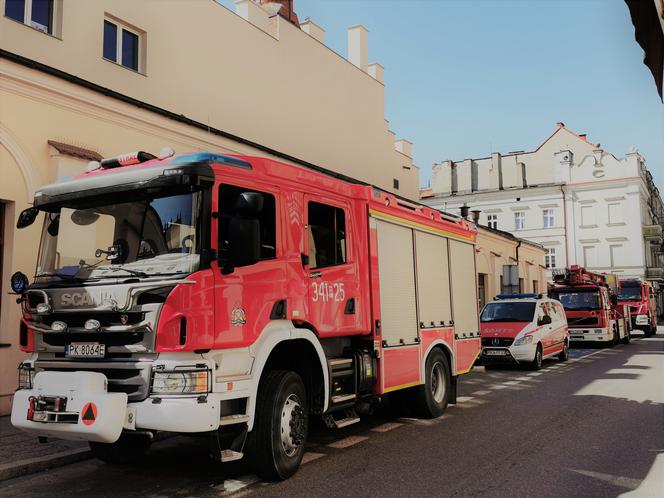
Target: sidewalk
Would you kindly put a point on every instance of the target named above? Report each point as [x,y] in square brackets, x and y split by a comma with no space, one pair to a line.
[22,453]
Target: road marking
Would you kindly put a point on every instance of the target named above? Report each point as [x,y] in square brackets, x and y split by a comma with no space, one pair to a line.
[386,427]
[463,399]
[420,421]
[233,485]
[623,482]
[310,456]
[481,393]
[347,441]
[523,378]
[534,374]
[512,383]
[497,386]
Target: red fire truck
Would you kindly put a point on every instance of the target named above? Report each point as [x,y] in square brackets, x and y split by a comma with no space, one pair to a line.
[592,308]
[235,297]
[638,295]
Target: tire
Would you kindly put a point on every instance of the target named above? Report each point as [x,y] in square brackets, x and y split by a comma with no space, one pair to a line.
[564,354]
[281,405]
[536,364]
[129,448]
[431,398]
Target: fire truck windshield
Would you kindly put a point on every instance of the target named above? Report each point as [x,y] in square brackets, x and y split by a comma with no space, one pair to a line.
[629,294]
[143,237]
[578,299]
[508,312]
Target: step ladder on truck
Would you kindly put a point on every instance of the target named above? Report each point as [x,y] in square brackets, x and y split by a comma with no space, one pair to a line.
[235,297]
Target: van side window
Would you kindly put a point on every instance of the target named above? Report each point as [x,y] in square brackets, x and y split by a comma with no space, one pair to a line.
[228,196]
[327,235]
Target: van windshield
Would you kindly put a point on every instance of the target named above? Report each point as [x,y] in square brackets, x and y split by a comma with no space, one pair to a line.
[508,312]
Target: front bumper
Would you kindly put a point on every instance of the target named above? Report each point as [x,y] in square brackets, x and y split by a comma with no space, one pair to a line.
[111,413]
[508,355]
[590,335]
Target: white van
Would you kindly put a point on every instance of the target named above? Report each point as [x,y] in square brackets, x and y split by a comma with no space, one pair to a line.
[523,329]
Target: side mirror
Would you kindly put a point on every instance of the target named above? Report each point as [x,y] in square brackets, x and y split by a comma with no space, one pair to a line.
[545,320]
[27,217]
[244,243]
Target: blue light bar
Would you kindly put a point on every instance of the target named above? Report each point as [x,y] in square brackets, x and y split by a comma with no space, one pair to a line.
[519,296]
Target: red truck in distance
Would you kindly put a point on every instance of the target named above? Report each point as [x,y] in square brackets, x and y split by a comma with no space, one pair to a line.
[592,308]
[638,295]
[235,297]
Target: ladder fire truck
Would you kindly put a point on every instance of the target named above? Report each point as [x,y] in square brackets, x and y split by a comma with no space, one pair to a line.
[591,305]
[235,297]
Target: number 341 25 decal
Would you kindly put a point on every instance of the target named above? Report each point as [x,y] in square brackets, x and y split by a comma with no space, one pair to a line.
[326,291]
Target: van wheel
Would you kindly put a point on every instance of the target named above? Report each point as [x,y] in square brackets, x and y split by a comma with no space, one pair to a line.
[280,430]
[432,397]
[129,448]
[564,354]
[536,364]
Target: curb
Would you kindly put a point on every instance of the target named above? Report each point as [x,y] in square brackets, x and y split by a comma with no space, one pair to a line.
[32,465]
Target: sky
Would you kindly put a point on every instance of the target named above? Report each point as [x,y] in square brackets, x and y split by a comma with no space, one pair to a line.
[467,78]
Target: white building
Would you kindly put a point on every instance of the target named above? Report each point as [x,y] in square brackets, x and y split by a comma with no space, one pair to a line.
[584,205]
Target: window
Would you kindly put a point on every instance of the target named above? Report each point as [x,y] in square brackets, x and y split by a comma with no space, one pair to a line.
[492,221]
[588,256]
[519,220]
[535,289]
[616,254]
[550,257]
[482,279]
[37,14]
[121,45]
[547,215]
[327,235]
[395,183]
[267,221]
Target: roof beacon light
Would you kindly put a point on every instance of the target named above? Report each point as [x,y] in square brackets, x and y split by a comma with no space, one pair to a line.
[127,159]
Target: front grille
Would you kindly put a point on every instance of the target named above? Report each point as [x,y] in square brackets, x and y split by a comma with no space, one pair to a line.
[107,338]
[106,319]
[132,381]
[583,321]
[501,341]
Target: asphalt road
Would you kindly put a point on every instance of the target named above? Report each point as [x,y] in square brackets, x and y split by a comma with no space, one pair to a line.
[593,426]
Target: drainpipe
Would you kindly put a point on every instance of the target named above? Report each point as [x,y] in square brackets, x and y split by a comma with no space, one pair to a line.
[517,262]
[562,191]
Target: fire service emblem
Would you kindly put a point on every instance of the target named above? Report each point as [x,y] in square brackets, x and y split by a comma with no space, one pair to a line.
[238,317]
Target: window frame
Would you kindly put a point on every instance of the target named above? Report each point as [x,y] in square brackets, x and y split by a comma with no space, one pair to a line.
[344,210]
[52,30]
[548,218]
[550,257]
[121,26]
[519,216]
[492,221]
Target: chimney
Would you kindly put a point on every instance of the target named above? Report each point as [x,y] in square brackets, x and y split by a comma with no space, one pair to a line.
[476,216]
[252,12]
[405,147]
[286,11]
[358,46]
[464,211]
[313,30]
[377,72]
[560,124]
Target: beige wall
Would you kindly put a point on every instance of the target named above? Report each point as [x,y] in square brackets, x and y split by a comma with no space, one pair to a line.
[494,250]
[281,88]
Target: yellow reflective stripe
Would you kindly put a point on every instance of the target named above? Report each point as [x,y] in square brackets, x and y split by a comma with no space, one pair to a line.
[402,386]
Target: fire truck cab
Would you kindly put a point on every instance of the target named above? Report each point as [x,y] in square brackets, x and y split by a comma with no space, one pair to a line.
[638,295]
[234,297]
[592,308]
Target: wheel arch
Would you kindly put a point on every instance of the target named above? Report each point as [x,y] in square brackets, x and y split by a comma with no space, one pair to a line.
[447,351]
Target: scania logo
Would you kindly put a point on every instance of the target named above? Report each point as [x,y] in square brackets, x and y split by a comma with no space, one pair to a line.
[77,299]
[495,341]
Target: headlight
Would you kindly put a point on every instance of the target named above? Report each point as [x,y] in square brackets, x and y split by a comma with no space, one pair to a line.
[188,382]
[526,339]
[25,375]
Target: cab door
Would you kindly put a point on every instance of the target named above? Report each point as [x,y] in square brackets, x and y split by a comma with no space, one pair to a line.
[546,329]
[334,306]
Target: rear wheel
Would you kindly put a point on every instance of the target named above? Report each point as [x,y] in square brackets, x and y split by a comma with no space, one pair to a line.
[433,396]
[536,364]
[282,421]
[130,448]
[564,354]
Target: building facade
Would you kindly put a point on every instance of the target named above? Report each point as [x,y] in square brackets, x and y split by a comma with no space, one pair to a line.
[581,203]
[82,80]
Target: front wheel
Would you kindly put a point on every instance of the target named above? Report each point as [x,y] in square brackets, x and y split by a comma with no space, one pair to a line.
[536,364]
[129,448]
[433,396]
[282,421]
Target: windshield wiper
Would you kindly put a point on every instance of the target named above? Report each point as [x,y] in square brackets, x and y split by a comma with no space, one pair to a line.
[62,276]
[138,273]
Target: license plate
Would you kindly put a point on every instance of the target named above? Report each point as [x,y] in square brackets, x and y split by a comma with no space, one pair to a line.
[496,352]
[85,350]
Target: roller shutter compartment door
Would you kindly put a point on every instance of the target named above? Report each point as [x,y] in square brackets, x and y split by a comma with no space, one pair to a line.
[464,288]
[396,273]
[433,280]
